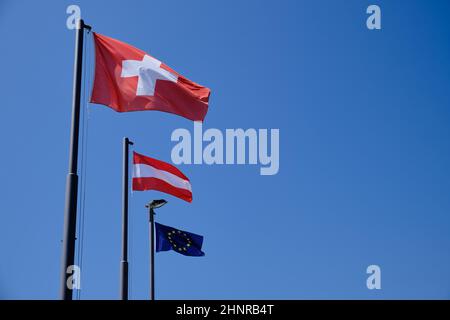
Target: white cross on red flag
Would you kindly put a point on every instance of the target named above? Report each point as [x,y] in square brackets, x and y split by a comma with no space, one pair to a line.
[128,79]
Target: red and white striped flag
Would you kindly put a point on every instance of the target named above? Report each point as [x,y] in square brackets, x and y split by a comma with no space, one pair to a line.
[152,174]
[129,79]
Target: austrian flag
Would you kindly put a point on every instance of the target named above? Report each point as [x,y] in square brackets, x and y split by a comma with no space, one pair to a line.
[152,174]
[128,79]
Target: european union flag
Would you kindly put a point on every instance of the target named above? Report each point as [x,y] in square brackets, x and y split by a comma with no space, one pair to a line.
[186,243]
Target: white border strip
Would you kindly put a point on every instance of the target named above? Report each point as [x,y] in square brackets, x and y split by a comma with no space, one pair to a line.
[141,170]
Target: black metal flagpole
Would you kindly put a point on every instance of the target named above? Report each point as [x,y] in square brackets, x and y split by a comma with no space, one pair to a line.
[152,252]
[124,261]
[70,210]
[151,213]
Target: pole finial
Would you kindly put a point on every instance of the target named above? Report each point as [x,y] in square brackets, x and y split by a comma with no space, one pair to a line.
[128,141]
[82,25]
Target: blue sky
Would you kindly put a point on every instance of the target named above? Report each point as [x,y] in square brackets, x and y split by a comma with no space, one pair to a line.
[364,150]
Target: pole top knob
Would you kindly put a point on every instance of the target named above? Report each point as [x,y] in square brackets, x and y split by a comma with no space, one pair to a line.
[82,25]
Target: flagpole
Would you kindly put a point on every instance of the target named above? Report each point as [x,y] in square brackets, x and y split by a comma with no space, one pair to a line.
[124,261]
[70,210]
[151,219]
[152,252]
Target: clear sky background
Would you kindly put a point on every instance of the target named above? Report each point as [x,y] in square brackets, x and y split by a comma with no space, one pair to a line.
[364,150]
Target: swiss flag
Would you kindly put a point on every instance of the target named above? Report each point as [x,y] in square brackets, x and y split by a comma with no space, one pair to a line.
[128,79]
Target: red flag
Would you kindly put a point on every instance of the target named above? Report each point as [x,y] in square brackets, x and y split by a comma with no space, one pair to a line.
[128,79]
[152,174]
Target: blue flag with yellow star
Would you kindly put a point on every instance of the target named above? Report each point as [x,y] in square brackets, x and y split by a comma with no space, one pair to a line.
[186,243]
